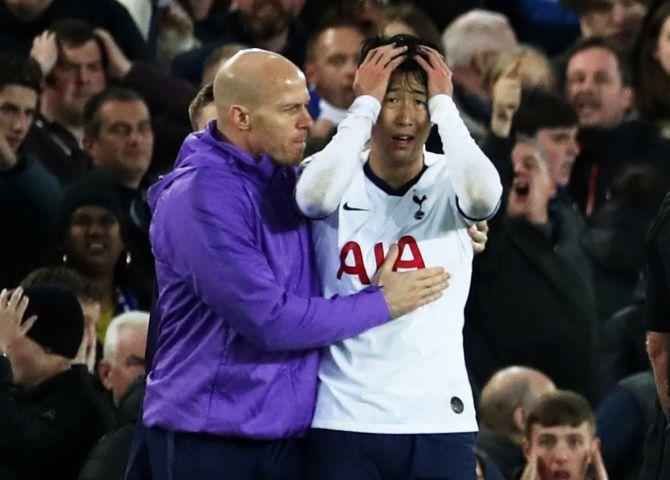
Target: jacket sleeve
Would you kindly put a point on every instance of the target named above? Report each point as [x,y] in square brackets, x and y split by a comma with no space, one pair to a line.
[222,256]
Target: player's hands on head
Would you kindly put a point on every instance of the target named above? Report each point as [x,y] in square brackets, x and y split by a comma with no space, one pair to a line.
[372,77]
[439,75]
[408,291]
[479,235]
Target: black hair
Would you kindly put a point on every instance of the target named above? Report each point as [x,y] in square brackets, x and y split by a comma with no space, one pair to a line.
[543,109]
[558,409]
[17,70]
[413,44]
[76,33]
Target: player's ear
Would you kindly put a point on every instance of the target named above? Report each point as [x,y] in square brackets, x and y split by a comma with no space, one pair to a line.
[240,117]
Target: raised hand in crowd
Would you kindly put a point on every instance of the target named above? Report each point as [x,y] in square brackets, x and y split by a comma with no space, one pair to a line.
[12,308]
[407,291]
[439,75]
[45,51]
[118,64]
[506,99]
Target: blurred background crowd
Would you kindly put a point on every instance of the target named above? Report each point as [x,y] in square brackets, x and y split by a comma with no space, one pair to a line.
[570,99]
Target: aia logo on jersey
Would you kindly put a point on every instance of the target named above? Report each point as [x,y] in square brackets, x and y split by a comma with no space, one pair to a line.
[358,268]
[419,201]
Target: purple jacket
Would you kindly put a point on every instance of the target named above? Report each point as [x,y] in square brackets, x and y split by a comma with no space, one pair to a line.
[240,313]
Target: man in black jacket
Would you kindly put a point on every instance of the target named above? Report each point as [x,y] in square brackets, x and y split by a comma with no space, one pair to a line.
[531,302]
[48,427]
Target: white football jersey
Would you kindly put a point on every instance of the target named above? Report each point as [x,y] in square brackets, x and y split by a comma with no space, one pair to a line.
[409,375]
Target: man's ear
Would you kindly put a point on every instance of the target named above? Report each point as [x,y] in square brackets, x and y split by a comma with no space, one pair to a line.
[519,418]
[89,144]
[311,73]
[240,117]
[628,99]
[104,368]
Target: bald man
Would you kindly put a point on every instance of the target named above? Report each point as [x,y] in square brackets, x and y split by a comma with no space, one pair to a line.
[503,405]
[239,317]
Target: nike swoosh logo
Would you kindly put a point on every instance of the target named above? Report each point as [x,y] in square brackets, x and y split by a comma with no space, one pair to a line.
[354,209]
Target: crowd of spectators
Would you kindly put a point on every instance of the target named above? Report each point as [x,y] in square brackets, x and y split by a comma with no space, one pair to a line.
[569,99]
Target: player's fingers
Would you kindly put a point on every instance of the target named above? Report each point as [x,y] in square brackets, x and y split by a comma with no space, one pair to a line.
[429,298]
[393,63]
[392,54]
[390,259]
[423,63]
[483,226]
[369,57]
[425,273]
[380,53]
[436,58]
[440,282]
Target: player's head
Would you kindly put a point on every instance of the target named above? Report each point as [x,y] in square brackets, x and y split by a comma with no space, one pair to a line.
[261,102]
[560,434]
[403,124]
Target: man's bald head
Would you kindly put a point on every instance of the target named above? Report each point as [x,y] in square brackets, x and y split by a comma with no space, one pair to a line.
[261,103]
[507,391]
[251,76]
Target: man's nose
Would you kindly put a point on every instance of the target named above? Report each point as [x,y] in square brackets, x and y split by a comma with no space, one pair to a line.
[573,148]
[306,120]
[404,115]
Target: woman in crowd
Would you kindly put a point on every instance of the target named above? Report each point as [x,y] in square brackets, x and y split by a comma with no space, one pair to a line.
[91,241]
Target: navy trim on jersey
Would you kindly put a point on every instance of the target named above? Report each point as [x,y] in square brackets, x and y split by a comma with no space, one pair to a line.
[388,189]
[495,210]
